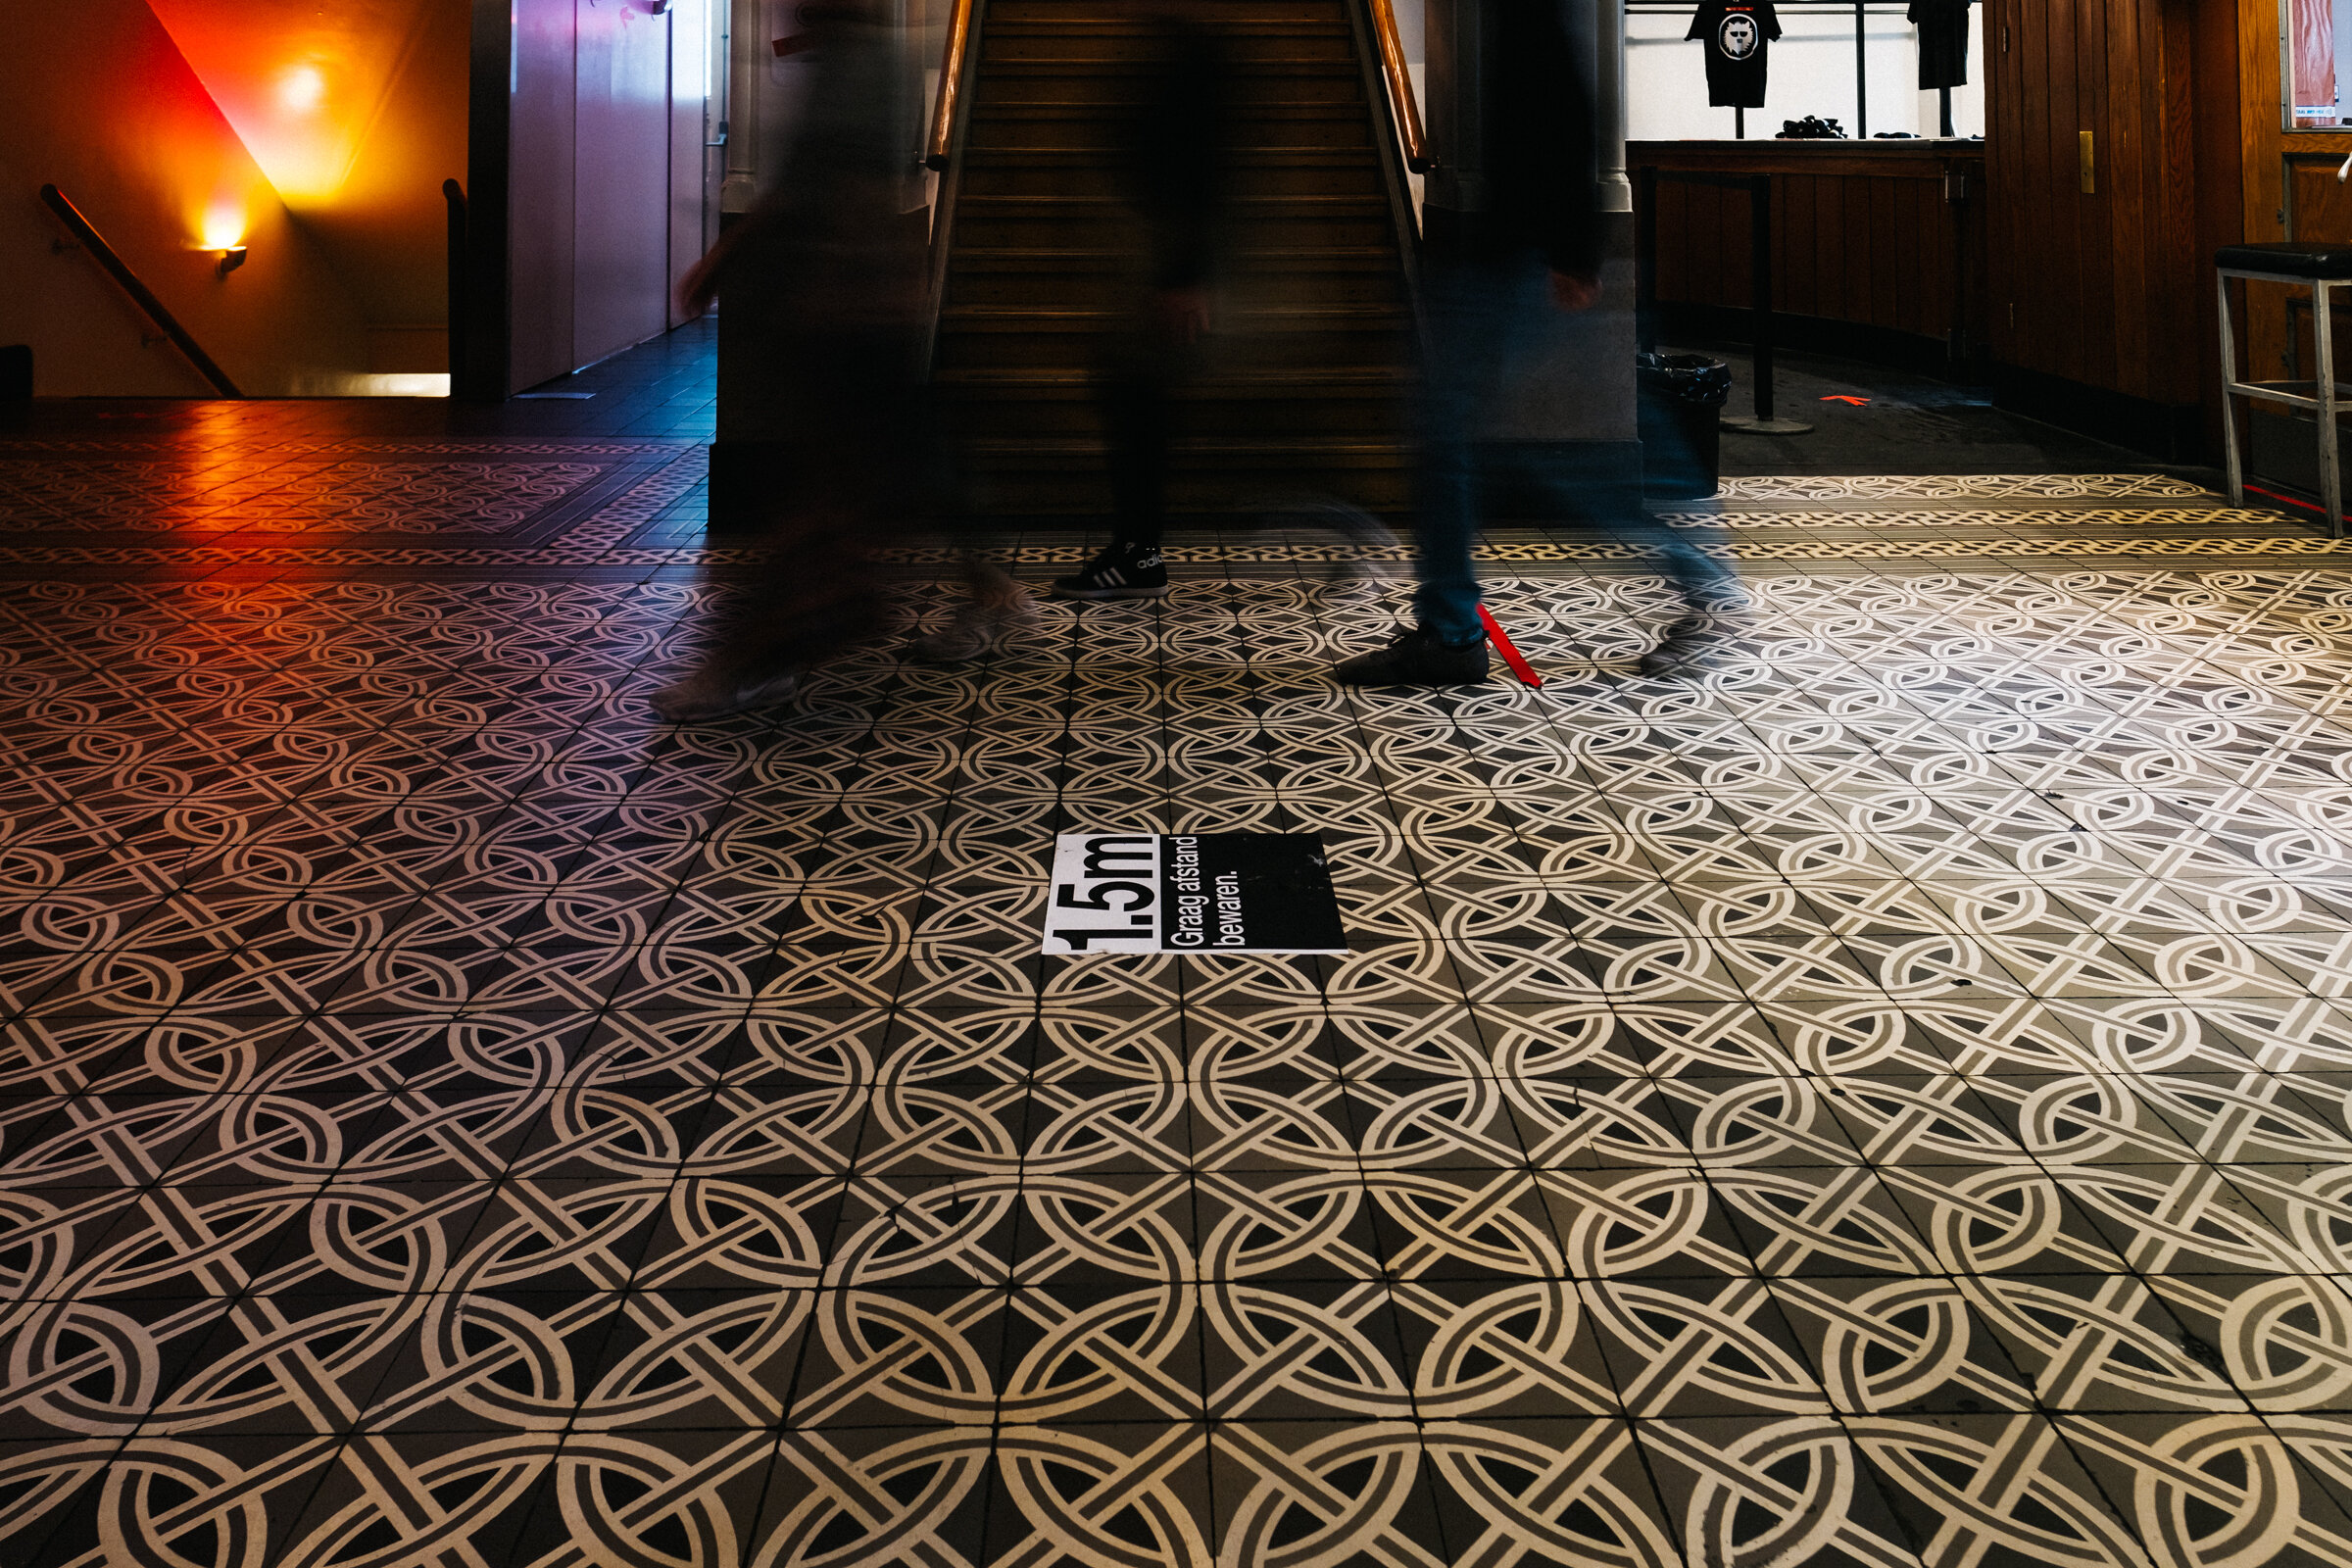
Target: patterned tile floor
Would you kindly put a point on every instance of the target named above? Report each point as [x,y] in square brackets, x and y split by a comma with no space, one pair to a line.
[1886,1104]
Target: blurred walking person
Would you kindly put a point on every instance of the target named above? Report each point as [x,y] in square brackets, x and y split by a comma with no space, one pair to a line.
[823,287]
[1176,163]
[1491,297]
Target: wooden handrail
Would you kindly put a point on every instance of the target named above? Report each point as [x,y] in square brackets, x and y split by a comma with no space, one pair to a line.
[1401,88]
[140,294]
[941,146]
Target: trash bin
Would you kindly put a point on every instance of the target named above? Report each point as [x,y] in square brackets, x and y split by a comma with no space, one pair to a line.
[1680,400]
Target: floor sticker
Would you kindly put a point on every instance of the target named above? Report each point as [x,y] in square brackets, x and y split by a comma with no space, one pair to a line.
[1191,893]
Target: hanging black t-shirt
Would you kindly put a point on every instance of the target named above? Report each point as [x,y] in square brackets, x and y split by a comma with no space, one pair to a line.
[1942,42]
[1736,33]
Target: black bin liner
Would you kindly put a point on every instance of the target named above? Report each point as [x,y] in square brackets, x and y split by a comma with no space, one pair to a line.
[1681,402]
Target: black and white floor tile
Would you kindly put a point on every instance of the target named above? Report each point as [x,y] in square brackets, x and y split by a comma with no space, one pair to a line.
[1884,1102]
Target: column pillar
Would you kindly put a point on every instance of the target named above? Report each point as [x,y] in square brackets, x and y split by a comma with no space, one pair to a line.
[1609,100]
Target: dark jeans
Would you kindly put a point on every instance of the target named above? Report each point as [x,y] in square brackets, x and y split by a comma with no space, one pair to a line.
[1492,320]
[1136,377]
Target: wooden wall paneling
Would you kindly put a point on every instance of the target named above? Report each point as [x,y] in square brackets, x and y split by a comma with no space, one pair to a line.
[2208,36]
[2035,299]
[1868,239]
[2038,221]
[1976,235]
[2067,308]
[1672,227]
[2009,124]
[2263,139]
[1800,276]
[1884,280]
[1735,242]
[2260,118]
[1916,226]
[2185,274]
[1731,240]
[1829,195]
[1811,210]
[2125,234]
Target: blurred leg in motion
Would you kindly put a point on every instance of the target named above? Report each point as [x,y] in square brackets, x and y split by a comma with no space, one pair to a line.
[1492,288]
[994,607]
[824,285]
[1682,531]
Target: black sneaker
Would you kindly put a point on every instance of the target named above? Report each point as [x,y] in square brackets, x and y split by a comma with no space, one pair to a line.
[1416,658]
[1120,571]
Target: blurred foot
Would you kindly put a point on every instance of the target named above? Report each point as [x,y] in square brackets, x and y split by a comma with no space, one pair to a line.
[973,630]
[1688,646]
[1120,571]
[1417,658]
[701,698]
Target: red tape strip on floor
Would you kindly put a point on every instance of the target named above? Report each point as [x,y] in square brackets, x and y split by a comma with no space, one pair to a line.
[1511,654]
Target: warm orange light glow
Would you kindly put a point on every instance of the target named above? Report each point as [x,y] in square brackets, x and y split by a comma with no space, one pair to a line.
[223,228]
[301,82]
[303,89]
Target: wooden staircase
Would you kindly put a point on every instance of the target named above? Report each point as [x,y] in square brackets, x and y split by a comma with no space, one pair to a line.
[1309,367]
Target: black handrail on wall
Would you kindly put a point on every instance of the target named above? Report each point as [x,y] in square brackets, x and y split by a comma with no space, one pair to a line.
[140,294]
[455,194]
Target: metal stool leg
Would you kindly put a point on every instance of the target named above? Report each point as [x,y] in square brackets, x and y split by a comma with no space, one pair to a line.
[2235,459]
[2331,482]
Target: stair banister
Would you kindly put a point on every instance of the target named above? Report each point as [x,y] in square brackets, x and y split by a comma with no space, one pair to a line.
[140,294]
[940,146]
[1400,86]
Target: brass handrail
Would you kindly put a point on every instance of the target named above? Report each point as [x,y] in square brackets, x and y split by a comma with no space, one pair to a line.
[140,294]
[950,87]
[1401,88]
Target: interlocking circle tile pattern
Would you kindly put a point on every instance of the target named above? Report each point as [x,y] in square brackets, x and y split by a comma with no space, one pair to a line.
[1883,1102]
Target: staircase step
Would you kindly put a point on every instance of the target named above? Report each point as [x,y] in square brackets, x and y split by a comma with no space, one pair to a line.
[1306,385]
[1032,222]
[1110,280]
[1218,13]
[1085,173]
[1135,43]
[1104,125]
[1077,349]
[1251,84]
[1368,404]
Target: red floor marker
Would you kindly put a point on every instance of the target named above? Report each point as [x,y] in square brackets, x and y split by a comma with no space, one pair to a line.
[1511,655]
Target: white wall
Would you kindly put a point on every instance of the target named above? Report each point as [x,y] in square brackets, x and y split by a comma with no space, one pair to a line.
[1811,72]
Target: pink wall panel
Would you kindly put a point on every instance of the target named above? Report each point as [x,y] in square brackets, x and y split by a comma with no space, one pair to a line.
[540,192]
[589,214]
[620,247]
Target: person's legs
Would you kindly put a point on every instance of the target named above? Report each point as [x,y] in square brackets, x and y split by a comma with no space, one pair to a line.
[844,487]
[1689,549]
[1135,383]
[1470,307]
[1134,400]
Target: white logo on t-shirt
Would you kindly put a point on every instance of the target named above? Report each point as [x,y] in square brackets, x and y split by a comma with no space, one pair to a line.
[1737,37]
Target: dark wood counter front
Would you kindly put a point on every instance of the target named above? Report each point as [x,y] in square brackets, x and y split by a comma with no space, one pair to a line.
[1878,247]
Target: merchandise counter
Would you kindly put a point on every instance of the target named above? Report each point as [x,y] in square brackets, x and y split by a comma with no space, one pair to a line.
[1878,247]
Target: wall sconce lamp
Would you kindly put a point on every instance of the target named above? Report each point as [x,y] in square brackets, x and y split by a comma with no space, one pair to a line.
[233,257]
